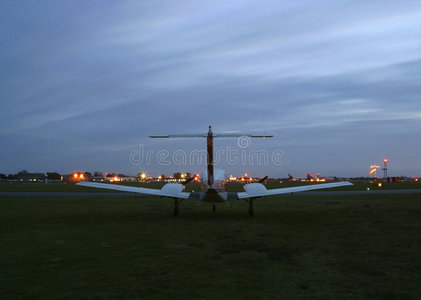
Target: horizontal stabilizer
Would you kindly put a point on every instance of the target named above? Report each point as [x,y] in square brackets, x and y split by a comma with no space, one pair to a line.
[215,135]
[193,135]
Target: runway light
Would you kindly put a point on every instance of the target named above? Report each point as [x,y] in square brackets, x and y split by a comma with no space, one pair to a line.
[380,184]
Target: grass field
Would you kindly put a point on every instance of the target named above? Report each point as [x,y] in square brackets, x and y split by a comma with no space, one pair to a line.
[71,187]
[47,187]
[322,247]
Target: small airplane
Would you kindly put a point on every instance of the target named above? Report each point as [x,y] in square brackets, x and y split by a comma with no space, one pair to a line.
[214,180]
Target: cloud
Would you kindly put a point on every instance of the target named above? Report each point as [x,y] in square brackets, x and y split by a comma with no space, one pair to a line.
[85,79]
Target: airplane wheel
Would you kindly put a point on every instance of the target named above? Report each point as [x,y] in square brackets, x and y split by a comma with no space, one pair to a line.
[251,211]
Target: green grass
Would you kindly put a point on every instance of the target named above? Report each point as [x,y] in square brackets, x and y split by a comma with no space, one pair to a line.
[358,185]
[71,187]
[334,247]
[47,187]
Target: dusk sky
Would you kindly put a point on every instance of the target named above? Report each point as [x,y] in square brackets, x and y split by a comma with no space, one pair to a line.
[82,84]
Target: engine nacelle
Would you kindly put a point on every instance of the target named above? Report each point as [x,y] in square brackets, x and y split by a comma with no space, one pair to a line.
[255,189]
[172,188]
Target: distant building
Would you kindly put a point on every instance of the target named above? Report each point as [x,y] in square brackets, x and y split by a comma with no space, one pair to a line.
[99,179]
[128,178]
[77,176]
[30,177]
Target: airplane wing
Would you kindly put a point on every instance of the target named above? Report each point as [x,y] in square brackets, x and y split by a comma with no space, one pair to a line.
[215,135]
[172,190]
[259,190]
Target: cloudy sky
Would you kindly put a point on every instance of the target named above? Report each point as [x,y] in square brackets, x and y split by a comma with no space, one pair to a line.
[82,84]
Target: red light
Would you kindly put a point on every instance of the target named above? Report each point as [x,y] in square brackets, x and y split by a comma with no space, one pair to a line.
[385,160]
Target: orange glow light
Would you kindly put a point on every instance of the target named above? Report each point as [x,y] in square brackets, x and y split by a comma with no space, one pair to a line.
[82,176]
[75,175]
[372,171]
[385,160]
[380,184]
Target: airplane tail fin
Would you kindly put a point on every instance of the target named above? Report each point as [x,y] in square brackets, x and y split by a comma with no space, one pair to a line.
[210,135]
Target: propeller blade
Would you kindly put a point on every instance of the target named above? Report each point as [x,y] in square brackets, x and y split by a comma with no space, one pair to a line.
[188,180]
[262,179]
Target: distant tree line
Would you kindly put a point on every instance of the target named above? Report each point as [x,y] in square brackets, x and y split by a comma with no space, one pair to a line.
[52,175]
[24,174]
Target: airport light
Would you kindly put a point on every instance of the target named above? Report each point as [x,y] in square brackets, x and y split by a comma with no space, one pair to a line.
[81,176]
[385,161]
[75,175]
[374,170]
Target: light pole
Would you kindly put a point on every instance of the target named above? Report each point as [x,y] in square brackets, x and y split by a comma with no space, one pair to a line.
[385,160]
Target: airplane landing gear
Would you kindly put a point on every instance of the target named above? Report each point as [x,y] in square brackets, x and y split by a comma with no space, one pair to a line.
[176,208]
[251,210]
